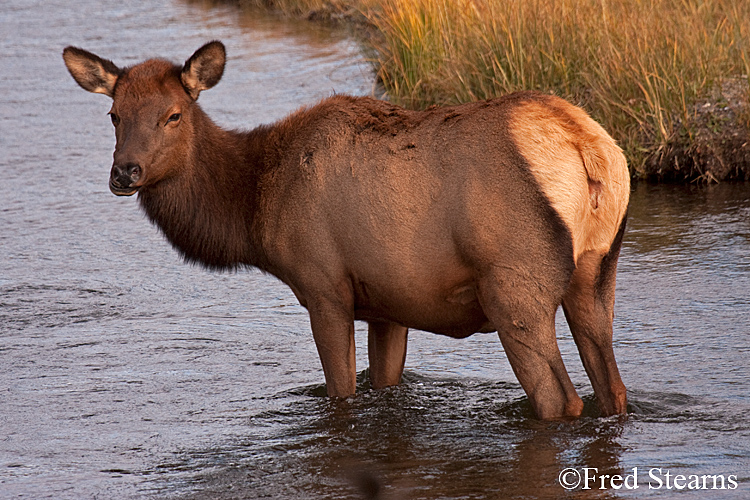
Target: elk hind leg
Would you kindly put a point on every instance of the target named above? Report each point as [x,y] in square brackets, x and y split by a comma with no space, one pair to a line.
[526,326]
[589,310]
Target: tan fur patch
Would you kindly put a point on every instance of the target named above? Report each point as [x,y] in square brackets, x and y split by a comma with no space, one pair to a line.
[579,167]
[190,81]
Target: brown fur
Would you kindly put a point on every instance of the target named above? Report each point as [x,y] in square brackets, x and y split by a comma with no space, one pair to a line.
[480,217]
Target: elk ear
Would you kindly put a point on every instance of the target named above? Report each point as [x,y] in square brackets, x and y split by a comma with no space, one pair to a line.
[91,71]
[204,68]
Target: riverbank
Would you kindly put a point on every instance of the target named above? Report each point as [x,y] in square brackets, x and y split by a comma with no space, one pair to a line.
[667,78]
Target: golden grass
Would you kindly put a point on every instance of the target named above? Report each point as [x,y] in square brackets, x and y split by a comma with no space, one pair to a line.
[638,66]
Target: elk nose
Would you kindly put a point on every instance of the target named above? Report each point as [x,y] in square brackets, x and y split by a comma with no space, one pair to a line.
[125,175]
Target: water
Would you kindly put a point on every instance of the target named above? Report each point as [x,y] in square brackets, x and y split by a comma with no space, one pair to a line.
[128,374]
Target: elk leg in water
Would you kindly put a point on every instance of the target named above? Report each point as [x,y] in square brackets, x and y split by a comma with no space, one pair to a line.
[333,331]
[589,309]
[527,332]
[386,348]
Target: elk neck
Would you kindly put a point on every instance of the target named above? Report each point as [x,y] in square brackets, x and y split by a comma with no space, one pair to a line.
[208,209]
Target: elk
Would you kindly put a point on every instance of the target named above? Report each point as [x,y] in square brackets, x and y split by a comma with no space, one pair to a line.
[480,217]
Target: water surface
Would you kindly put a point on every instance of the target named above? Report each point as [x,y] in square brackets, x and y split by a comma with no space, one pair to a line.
[128,374]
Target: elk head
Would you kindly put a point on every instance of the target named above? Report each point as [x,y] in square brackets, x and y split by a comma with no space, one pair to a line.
[153,110]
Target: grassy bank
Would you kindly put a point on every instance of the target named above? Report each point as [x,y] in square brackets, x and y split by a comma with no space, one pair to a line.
[667,78]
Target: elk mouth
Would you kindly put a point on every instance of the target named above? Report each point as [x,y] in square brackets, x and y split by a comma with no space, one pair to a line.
[121,190]
[123,178]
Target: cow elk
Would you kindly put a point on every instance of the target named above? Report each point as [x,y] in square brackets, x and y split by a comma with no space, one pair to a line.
[479,217]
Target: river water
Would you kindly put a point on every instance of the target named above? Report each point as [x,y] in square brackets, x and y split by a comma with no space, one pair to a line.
[125,373]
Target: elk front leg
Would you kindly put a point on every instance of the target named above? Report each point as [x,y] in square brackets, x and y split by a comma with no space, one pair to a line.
[333,331]
[386,349]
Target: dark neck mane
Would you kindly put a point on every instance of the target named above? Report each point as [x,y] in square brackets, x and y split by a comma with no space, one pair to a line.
[207,211]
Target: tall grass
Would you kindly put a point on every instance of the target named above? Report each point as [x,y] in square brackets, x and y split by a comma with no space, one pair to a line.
[638,66]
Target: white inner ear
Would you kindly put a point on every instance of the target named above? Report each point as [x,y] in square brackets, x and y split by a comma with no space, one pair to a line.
[109,84]
[190,79]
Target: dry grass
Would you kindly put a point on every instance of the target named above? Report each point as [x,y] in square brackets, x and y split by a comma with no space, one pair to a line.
[638,66]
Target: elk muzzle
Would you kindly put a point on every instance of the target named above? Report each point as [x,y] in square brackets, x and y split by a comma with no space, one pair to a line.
[123,179]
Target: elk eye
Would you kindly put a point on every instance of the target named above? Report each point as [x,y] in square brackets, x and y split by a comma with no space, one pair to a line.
[115,119]
[174,118]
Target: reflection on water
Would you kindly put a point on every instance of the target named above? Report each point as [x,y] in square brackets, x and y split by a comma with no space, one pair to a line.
[127,374]
[430,438]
